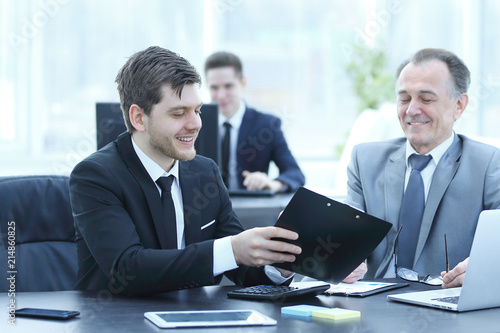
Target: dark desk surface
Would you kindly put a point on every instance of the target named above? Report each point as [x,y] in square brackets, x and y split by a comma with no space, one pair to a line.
[102,312]
[259,211]
[262,211]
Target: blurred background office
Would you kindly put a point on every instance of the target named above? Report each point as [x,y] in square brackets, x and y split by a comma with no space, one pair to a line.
[318,65]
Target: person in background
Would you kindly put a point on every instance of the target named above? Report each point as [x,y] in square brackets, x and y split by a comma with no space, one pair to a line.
[433,181]
[253,139]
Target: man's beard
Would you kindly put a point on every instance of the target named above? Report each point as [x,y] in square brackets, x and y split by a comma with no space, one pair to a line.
[166,146]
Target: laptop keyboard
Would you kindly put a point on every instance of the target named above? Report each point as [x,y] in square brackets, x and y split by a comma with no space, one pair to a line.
[264,292]
[453,299]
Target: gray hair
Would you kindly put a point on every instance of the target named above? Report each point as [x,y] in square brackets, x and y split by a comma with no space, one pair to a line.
[459,72]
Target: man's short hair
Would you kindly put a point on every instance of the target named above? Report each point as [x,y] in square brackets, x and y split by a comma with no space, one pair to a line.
[459,72]
[224,59]
[141,79]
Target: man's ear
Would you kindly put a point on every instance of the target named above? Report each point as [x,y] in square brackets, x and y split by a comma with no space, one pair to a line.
[244,81]
[461,104]
[136,115]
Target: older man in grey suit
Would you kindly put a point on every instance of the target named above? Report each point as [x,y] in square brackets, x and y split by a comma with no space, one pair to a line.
[461,179]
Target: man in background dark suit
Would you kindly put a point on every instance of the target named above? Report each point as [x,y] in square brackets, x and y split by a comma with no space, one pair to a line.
[256,138]
[125,242]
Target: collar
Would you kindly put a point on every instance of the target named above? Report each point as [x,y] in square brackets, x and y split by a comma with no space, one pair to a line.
[154,170]
[236,119]
[436,153]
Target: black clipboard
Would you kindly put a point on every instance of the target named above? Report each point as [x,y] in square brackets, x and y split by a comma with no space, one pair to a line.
[335,238]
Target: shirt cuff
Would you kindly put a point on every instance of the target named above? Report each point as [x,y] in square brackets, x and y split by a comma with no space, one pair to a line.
[223,256]
[275,276]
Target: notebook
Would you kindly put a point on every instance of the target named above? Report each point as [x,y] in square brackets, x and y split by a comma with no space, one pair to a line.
[480,289]
[335,238]
[362,288]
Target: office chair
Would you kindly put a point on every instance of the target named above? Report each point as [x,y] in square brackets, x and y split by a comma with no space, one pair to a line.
[45,256]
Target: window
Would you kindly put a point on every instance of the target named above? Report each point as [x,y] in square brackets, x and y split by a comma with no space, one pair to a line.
[59,57]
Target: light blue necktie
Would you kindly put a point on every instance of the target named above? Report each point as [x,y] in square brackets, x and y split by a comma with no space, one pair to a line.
[412,211]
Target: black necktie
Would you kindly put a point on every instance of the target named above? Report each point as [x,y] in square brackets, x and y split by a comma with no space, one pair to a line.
[412,211]
[165,183]
[226,144]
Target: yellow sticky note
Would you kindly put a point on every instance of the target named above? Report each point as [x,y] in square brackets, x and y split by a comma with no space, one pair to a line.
[336,314]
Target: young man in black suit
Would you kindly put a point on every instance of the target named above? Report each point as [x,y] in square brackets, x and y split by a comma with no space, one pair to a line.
[127,241]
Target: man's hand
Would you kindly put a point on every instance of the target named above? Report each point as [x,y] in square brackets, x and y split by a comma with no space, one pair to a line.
[357,274]
[455,277]
[255,181]
[254,247]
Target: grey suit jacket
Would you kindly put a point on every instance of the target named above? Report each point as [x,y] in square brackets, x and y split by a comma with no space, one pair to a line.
[466,181]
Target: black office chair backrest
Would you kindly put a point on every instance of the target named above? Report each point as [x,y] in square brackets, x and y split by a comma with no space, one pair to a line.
[35,213]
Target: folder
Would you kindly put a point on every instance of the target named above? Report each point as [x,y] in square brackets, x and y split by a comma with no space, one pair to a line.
[335,238]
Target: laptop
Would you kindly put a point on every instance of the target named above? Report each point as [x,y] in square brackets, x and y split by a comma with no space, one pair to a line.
[480,289]
[335,238]
[246,193]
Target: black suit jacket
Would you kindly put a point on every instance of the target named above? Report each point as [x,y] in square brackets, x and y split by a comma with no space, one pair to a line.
[260,141]
[118,221]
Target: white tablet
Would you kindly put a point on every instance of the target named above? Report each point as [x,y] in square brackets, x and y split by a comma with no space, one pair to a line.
[173,319]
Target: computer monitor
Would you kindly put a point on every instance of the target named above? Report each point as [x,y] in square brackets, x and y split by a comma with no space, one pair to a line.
[110,124]
[207,143]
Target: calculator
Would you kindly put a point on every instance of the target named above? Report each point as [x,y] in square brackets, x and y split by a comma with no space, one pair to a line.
[278,293]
